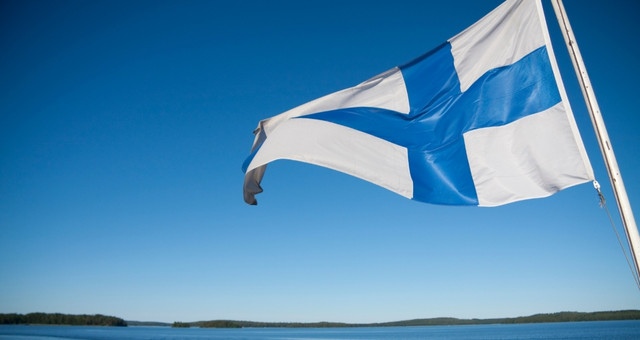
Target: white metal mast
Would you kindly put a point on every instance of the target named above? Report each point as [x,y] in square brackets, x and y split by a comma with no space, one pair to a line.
[619,190]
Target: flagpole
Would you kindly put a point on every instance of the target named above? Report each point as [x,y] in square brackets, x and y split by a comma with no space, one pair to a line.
[624,206]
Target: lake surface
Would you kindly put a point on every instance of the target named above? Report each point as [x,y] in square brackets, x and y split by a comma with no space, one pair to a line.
[614,330]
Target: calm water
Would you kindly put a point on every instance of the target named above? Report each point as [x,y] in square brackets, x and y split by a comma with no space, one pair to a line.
[568,330]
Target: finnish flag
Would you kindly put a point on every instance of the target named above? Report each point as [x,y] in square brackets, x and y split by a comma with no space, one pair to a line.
[483,119]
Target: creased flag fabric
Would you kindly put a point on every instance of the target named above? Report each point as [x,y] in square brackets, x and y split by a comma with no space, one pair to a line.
[482,119]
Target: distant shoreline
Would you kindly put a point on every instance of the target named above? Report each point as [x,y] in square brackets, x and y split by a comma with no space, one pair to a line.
[103,320]
[443,321]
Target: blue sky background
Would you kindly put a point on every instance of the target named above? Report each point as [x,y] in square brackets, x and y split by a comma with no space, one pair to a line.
[124,124]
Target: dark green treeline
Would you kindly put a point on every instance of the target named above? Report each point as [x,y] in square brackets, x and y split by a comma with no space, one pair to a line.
[61,319]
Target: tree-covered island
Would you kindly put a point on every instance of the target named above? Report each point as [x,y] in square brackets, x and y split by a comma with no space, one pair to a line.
[61,319]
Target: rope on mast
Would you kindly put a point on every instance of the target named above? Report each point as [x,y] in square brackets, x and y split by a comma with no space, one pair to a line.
[603,204]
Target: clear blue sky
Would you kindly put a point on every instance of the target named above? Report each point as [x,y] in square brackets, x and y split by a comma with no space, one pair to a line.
[124,124]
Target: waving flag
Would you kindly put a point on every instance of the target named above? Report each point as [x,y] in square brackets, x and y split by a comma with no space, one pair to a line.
[483,119]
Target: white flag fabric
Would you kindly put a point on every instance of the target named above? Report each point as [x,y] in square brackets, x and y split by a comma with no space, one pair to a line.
[482,119]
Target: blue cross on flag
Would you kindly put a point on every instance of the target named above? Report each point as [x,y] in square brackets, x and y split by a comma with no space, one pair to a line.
[482,120]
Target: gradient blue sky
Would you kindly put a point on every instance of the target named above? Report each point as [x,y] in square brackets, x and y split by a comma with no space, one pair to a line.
[124,124]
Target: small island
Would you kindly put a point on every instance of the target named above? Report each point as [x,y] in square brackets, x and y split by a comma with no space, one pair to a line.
[179,324]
